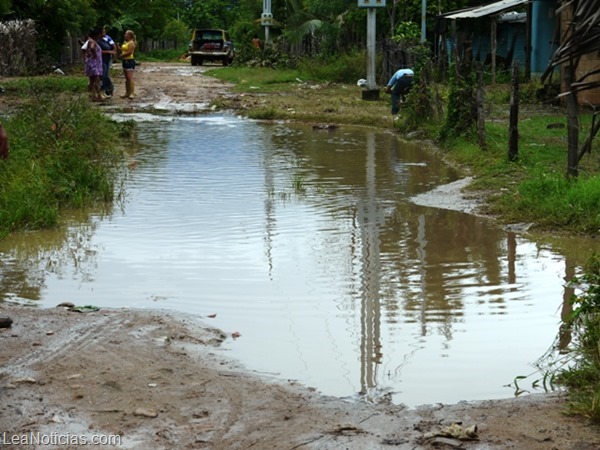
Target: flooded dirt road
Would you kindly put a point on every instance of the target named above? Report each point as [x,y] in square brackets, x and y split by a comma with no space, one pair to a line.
[164,380]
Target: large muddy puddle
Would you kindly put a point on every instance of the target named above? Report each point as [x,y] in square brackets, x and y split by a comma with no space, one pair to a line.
[306,243]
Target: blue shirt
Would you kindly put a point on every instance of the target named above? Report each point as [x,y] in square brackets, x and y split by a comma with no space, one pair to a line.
[108,39]
[399,74]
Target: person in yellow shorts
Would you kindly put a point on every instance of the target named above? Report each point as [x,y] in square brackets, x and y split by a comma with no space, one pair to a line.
[127,57]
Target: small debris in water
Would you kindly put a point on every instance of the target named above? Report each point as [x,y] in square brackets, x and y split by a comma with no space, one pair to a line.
[84,308]
[65,305]
[455,431]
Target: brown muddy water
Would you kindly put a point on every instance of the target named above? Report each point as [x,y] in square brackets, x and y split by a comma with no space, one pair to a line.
[306,243]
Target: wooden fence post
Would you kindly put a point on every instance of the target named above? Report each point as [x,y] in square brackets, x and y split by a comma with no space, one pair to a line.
[513,133]
[494,46]
[480,108]
[572,121]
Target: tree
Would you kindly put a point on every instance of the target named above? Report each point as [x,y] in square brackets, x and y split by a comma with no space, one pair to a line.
[5,7]
[176,30]
[210,14]
[55,19]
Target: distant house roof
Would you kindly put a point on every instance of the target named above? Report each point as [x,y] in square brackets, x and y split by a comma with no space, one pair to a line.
[484,10]
[512,17]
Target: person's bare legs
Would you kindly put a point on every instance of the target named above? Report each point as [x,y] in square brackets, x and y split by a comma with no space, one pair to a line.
[129,86]
[96,88]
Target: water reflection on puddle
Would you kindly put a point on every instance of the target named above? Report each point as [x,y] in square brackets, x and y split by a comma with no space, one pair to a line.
[305,242]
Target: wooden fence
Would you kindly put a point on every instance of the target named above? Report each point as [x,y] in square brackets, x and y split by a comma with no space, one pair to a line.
[17,47]
[395,57]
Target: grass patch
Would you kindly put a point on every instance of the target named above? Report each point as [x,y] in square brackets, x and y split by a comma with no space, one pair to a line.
[345,68]
[172,55]
[291,95]
[62,155]
[263,114]
[257,79]
[53,84]
[534,188]
[551,200]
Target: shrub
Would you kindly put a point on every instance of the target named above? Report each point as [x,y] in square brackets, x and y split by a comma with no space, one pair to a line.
[345,68]
[424,102]
[64,153]
[582,377]
[461,114]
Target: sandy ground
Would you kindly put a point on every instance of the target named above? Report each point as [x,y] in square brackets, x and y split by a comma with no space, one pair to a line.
[159,380]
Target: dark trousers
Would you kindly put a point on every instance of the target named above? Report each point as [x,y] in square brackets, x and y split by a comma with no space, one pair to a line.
[106,83]
[399,90]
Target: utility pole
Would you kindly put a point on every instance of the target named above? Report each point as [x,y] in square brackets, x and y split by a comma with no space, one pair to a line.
[372,92]
[423,20]
[266,19]
[371,48]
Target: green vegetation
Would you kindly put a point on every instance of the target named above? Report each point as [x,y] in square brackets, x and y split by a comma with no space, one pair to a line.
[257,79]
[324,26]
[461,111]
[50,85]
[302,94]
[578,365]
[275,70]
[63,153]
[162,55]
[534,188]
[344,68]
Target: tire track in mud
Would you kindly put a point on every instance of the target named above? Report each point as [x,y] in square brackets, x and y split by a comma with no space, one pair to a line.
[235,405]
[76,337]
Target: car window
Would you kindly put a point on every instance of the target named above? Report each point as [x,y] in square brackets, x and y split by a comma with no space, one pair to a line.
[212,36]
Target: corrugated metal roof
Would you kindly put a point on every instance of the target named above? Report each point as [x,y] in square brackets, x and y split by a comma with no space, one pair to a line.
[512,17]
[485,10]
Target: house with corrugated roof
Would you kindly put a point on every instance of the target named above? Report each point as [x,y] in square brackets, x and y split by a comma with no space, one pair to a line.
[526,31]
[505,31]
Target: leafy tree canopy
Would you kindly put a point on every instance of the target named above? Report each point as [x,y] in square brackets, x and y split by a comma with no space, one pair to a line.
[169,18]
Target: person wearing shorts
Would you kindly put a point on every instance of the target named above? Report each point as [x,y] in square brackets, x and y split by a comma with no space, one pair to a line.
[128,61]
